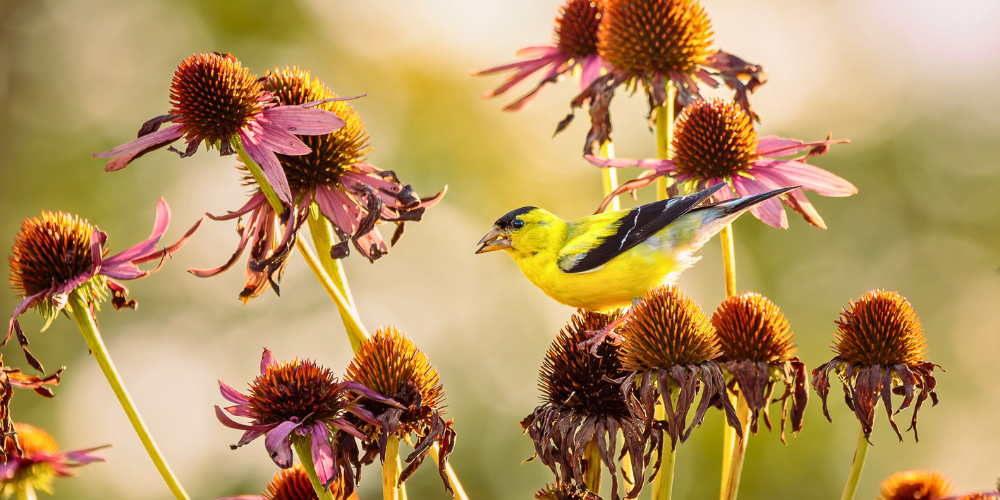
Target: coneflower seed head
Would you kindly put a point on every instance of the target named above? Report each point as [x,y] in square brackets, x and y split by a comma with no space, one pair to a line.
[576,27]
[881,328]
[751,327]
[714,138]
[649,37]
[50,249]
[667,328]
[389,360]
[215,97]
[332,154]
[291,484]
[916,485]
[296,389]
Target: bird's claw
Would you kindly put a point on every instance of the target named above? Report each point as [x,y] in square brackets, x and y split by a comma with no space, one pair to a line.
[598,338]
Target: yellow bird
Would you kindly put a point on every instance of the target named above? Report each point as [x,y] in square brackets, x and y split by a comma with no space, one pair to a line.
[607,261]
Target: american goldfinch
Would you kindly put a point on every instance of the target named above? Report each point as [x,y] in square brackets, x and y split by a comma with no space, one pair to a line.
[607,261]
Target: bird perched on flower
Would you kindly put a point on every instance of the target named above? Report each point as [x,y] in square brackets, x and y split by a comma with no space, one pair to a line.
[605,261]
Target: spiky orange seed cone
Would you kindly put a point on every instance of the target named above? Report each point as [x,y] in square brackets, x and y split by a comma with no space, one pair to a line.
[751,327]
[50,249]
[649,37]
[715,138]
[215,96]
[666,328]
[916,485]
[576,27]
[881,328]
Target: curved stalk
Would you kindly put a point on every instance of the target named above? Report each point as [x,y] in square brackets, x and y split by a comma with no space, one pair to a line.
[303,449]
[729,259]
[456,486]
[592,476]
[739,450]
[860,454]
[356,332]
[665,136]
[391,488]
[88,327]
[610,176]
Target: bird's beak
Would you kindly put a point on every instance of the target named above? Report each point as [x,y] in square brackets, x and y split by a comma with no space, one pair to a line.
[493,241]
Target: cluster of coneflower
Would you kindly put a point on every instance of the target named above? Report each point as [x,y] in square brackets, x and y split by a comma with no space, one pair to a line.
[302,150]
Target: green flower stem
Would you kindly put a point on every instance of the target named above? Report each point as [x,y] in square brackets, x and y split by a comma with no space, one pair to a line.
[860,454]
[739,451]
[303,449]
[258,176]
[729,259]
[391,489]
[592,476]
[728,442]
[26,491]
[663,483]
[665,136]
[452,477]
[85,321]
[610,175]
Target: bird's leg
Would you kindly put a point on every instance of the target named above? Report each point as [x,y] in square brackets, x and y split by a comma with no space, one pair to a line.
[599,335]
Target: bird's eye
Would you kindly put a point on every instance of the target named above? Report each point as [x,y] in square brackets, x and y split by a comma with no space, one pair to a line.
[517,224]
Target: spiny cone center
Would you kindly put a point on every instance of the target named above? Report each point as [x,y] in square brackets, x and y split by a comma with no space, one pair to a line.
[650,37]
[881,328]
[572,377]
[332,154]
[576,27]
[215,97]
[667,328]
[50,250]
[750,327]
[714,138]
[296,389]
[916,485]
[291,484]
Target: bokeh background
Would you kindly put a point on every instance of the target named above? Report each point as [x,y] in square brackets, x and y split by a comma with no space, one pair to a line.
[910,82]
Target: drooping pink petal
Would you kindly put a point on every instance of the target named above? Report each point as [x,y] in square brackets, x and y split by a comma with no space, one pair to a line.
[248,437]
[304,120]
[555,72]
[524,69]
[337,206]
[796,199]
[241,411]
[267,360]
[810,177]
[322,454]
[278,442]
[124,154]
[371,243]
[232,424]
[160,224]
[26,303]
[770,211]
[231,394]
[590,70]
[772,146]
[84,457]
[281,141]
[269,165]
[660,166]
[244,237]
[533,53]
[538,51]
[430,201]
[348,427]
[255,201]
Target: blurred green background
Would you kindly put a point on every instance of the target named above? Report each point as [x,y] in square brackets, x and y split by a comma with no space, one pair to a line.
[911,83]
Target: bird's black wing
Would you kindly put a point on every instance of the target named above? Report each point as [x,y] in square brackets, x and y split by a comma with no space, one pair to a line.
[636,226]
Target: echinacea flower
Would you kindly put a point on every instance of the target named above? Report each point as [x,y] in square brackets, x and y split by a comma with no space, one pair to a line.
[651,42]
[292,484]
[216,100]
[916,485]
[302,401]
[881,349]
[574,49]
[40,462]
[565,491]
[58,253]
[715,142]
[391,365]
[670,346]
[583,406]
[758,352]
[9,379]
[353,195]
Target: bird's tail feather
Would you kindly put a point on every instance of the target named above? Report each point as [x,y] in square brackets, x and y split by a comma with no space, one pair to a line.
[738,205]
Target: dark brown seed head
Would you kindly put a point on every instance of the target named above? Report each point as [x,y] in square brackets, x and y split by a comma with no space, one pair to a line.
[714,138]
[291,484]
[650,37]
[576,27]
[215,97]
[667,328]
[49,250]
[881,328]
[750,327]
[916,485]
[390,364]
[574,378]
[565,491]
[300,389]
[332,154]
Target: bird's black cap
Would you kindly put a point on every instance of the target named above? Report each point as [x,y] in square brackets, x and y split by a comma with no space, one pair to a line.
[508,218]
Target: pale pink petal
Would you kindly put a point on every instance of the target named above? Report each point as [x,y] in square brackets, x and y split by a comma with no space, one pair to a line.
[232,424]
[770,212]
[304,121]
[244,238]
[278,443]
[337,206]
[372,240]
[28,301]
[661,166]
[269,165]
[160,224]
[125,153]
[538,51]
[231,394]
[241,411]
[322,454]
[84,457]
[810,177]
[348,427]
[773,145]
[281,141]
[255,201]
[590,70]
[267,360]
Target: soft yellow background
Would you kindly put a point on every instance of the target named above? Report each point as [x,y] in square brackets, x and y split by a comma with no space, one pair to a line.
[911,83]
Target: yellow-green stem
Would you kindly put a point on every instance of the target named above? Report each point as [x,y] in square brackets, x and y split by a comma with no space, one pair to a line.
[258,176]
[860,454]
[456,486]
[729,259]
[303,448]
[610,176]
[88,327]
[592,476]
[663,483]
[391,489]
[728,441]
[356,332]
[26,491]
[740,450]
[665,136]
